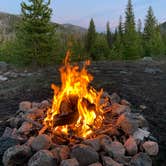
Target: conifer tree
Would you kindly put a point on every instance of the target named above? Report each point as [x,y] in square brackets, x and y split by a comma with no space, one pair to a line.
[131,45]
[153,43]
[109,35]
[91,37]
[35,33]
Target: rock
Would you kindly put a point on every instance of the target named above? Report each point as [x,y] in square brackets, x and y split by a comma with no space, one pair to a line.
[3,66]
[64,152]
[128,123]
[42,141]
[125,102]
[107,161]
[2,78]
[152,70]
[15,122]
[116,149]
[55,153]
[114,98]
[25,128]
[131,146]
[16,155]
[95,164]
[44,104]
[94,143]
[29,142]
[105,142]
[42,158]
[69,162]
[141,159]
[147,59]
[151,148]
[140,134]
[6,143]
[8,132]
[35,105]
[125,160]
[85,155]
[118,109]
[25,105]
[37,113]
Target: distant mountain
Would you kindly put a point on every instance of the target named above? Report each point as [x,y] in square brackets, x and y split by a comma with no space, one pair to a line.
[163,27]
[8,22]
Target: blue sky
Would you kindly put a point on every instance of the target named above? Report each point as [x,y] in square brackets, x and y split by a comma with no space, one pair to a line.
[79,12]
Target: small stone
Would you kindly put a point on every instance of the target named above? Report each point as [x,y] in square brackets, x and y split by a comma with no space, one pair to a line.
[151,148]
[25,128]
[95,164]
[25,105]
[64,152]
[2,78]
[94,143]
[56,154]
[127,123]
[116,149]
[125,102]
[114,98]
[38,113]
[3,66]
[42,141]
[42,158]
[69,162]
[44,104]
[107,161]
[8,132]
[29,142]
[118,109]
[105,142]
[35,105]
[141,159]
[131,146]
[84,154]
[16,155]
[125,160]
[15,122]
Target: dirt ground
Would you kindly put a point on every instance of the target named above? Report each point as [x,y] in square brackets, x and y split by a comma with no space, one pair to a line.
[141,83]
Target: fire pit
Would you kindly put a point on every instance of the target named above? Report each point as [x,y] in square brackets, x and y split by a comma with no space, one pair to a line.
[79,126]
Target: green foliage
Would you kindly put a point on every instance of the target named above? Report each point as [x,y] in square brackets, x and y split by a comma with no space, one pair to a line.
[131,39]
[153,44]
[109,35]
[91,36]
[35,33]
[100,49]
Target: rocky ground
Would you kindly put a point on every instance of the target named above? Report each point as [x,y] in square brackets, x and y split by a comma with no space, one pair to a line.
[143,83]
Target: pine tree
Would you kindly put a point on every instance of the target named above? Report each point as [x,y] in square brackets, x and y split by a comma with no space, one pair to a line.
[109,35]
[35,33]
[118,46]
[131,45]
[153,43]
[91,37]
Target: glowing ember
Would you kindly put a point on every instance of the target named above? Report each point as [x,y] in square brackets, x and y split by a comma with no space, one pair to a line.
[76,106]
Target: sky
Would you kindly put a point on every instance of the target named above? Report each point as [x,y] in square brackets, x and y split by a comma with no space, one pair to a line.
[79,12]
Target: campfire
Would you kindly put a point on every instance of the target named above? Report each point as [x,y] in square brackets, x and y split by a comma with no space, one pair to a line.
[80,126]
[76,107]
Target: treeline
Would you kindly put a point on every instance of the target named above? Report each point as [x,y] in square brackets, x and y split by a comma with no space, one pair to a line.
[38,43]
[129,41]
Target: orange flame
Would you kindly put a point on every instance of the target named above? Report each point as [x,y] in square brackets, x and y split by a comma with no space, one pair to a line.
[75,82]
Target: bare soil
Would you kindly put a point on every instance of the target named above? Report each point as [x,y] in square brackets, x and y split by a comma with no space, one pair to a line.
[140,82]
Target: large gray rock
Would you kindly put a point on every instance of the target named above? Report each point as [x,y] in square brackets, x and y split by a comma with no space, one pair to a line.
[131,146]
[16,155]
[117,109]
[116,149]
[151,148]
[108,161]
[6,143]
[42,141]
[141,159]
[42,158]
[69,162]
[128,123]
[85,155]
[25,105]
[25,128]
[94,143]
